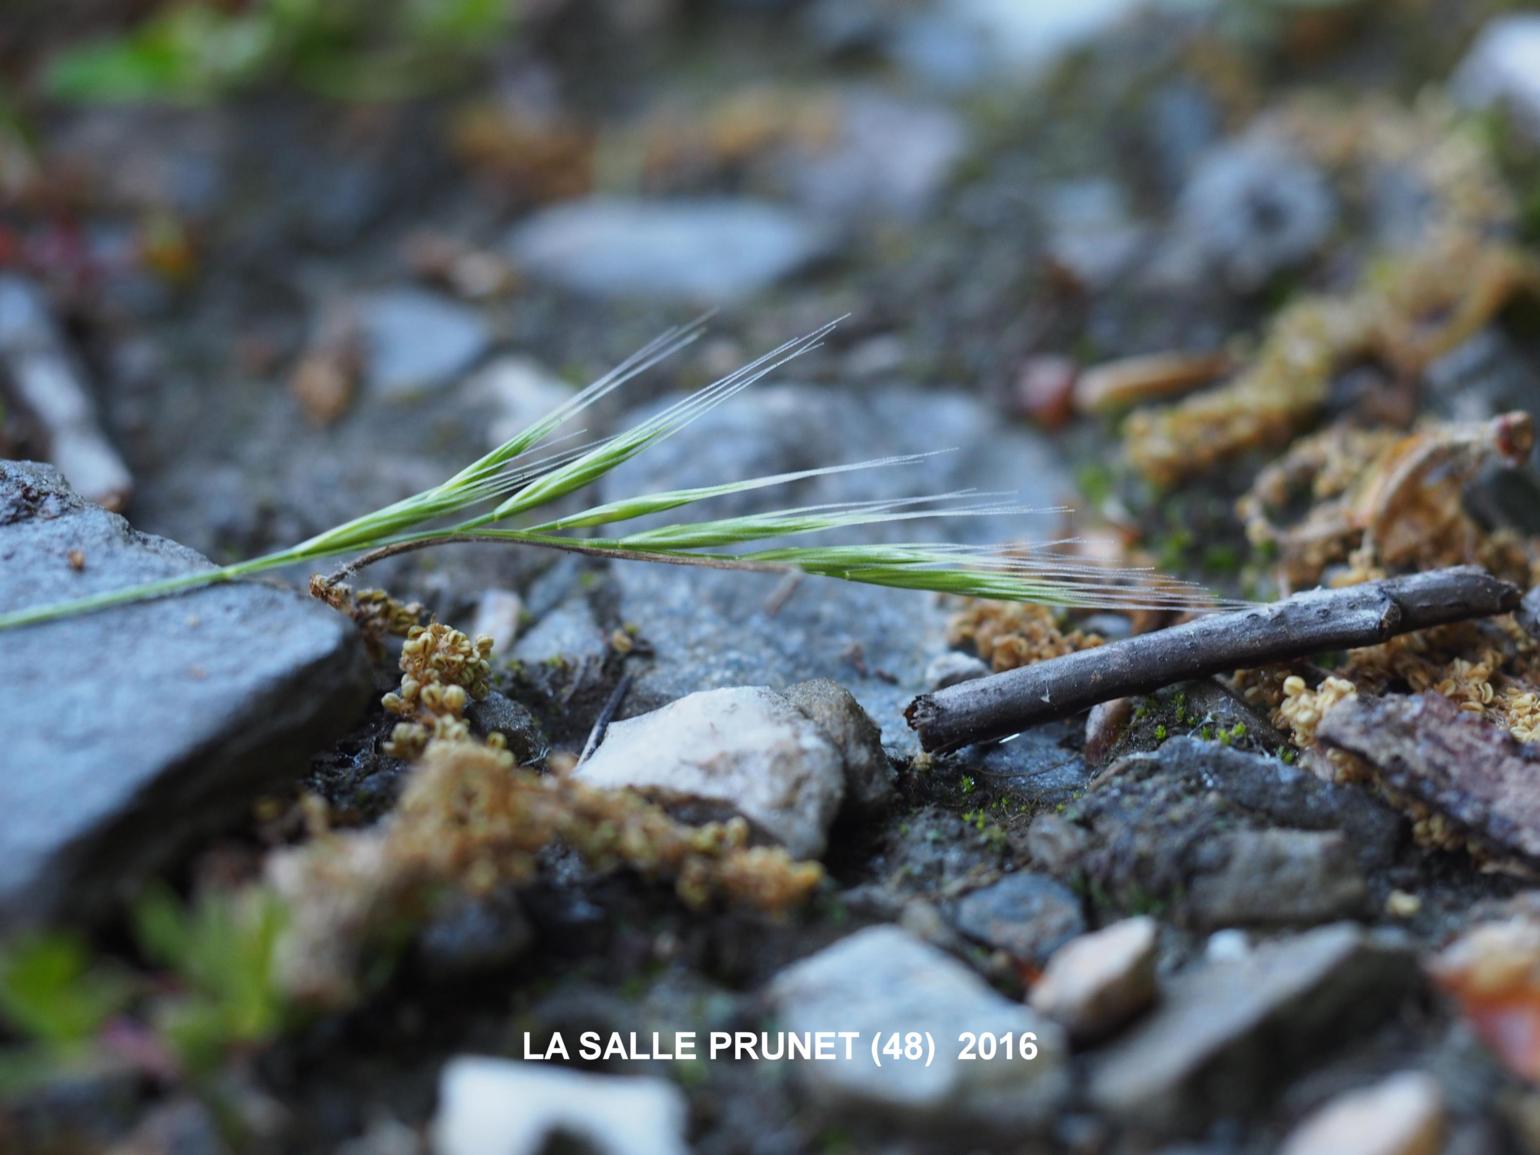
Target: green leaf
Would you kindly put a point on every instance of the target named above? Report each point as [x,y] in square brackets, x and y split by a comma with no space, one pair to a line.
[52,991]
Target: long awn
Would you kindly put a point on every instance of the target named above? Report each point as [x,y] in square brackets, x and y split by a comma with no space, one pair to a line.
[484,502]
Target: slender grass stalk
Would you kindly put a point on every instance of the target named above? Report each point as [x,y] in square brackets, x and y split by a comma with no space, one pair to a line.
[527,473]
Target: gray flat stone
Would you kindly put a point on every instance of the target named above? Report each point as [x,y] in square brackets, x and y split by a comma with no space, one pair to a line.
[1276,878]
[1029,916]
[1502,69]
[131,731]
[1229,1033]
[707,251]
[416,341]
[884,979]
[747,747]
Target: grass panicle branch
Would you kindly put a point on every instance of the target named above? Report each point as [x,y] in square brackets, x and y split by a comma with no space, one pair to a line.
[485,501]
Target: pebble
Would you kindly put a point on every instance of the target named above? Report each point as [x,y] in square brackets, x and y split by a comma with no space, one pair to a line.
[1029,916]
[888,155]
[518,391]
[883,979]
[952,668]
[1228,1033]
[417,341]
[870,779]
[1493,972]
[521,730]
[745,746]
[1403,1115]
[1502,69]
[499,614]
[516,1108]
[1276,878]
[1254,209]
[157,721]
[1097,982]
[701,251]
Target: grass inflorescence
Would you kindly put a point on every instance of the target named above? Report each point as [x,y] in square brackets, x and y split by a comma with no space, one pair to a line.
[495,497]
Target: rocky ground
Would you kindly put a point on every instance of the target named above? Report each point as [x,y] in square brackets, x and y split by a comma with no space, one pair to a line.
[1250,287]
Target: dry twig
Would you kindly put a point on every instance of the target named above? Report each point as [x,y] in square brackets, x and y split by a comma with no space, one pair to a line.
[1308,623]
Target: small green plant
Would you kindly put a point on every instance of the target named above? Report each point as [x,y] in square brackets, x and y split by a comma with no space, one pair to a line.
[484,501]
[192,50]
[57,998]
[222,951]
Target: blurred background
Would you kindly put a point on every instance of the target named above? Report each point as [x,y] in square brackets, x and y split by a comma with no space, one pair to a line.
[1194,268]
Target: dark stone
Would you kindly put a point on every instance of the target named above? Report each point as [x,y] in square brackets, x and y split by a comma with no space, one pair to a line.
[1038,765]
[1192,824]
[133,731]
[500,714]
[1026,915]
[1275,878]
[1280,793]
[869,777]
[470,935]
[1227,1035]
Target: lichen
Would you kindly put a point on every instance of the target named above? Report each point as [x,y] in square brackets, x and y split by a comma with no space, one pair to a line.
[1381,501]
[1008,635]
[442,670]
[1406,309]
[471,820]
[1405,313]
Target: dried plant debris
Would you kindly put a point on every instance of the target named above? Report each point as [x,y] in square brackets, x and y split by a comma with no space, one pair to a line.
[1008,635]
[1480,785]
[1129,381]
[1406,313]
[375,612]
[1434,290]
[1382,501]
[1318,621]
[471,820]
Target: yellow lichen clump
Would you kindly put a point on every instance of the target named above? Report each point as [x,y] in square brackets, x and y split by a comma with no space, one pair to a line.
[1011,634]
[1385,501]
[1407,310]
[1303,708]
[442,670]
[470,819]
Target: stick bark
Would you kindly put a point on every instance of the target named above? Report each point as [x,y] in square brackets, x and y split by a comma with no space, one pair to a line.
[1309,623]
